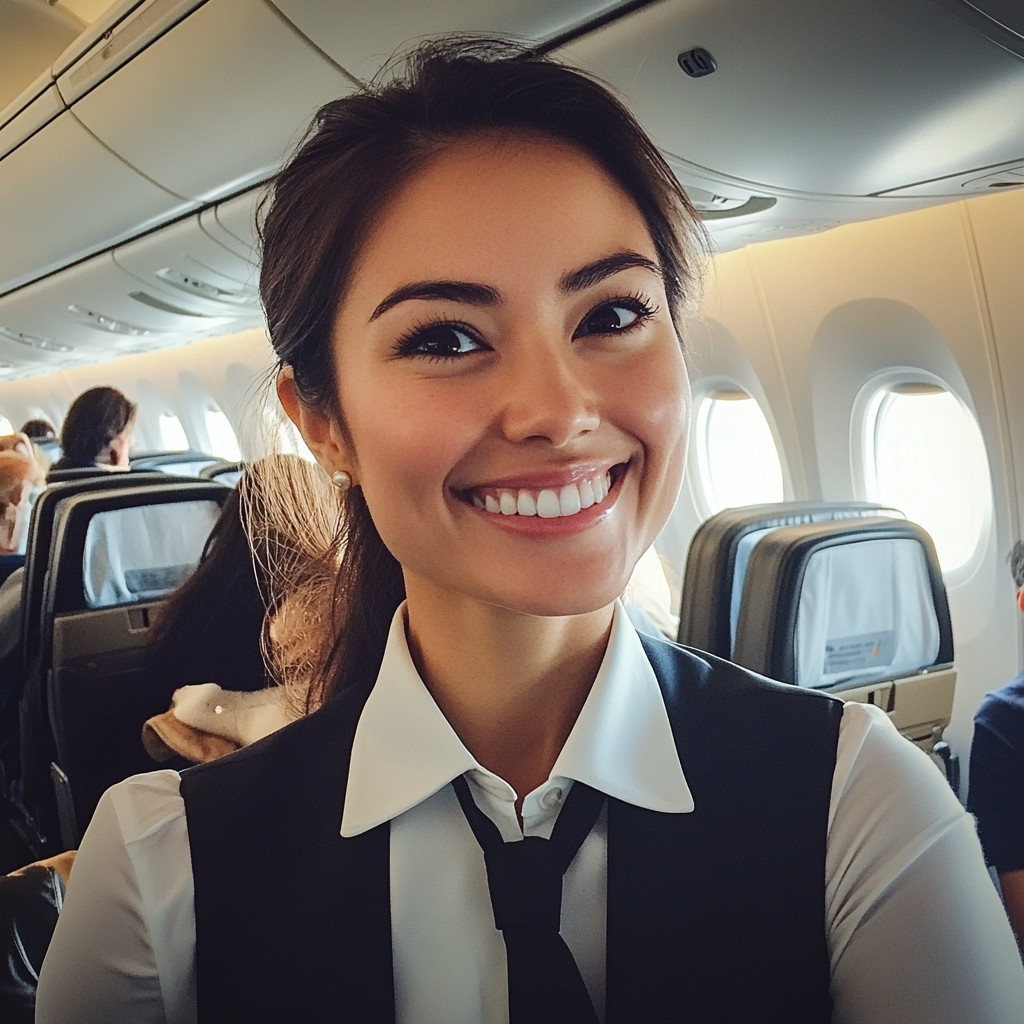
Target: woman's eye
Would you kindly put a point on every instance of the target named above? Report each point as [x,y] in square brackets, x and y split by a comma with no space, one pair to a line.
[612,318]
[442,341]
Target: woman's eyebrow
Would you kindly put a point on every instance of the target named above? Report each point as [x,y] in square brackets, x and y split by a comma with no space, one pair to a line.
[595,272]
[452,291]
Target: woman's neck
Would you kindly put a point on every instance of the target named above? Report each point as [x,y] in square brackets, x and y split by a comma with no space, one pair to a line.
[511,685]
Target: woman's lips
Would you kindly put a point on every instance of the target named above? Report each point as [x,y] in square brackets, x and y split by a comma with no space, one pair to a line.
[547,502]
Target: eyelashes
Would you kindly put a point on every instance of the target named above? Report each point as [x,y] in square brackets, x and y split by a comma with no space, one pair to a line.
[442,339]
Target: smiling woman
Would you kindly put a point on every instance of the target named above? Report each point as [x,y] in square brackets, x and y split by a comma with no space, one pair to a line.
[506,804]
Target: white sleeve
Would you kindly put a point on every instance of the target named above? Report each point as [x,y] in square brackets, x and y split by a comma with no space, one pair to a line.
[916,930]
[124,948]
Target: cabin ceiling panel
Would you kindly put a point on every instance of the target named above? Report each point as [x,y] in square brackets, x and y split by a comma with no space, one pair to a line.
[216,103]
[98,308]
[63,196]
[846,98]
[181,266]
[362,36]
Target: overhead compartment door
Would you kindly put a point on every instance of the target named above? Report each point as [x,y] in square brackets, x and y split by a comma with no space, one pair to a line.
[63,196]
[215,104]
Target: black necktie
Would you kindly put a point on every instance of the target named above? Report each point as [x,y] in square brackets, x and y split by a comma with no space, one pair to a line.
[525,881]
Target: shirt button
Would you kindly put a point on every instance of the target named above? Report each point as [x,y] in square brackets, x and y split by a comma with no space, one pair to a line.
[552,798]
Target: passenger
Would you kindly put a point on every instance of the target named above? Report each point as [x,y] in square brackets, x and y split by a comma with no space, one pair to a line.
[996,796]
[97,431]
[20,476]
[229,630]
[39,430]
[45,444]
[474,276]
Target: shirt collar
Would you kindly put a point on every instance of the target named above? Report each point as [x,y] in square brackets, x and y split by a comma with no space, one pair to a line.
[404,749]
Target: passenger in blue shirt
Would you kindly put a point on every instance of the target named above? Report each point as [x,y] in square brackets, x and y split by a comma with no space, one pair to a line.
[997,778]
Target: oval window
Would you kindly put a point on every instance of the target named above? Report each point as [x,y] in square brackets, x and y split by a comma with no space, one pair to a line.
[172,433]
[926,457]
[736,453]
[6,427]
[223,441]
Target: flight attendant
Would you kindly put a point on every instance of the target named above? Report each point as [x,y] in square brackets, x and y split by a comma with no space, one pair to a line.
[506,804]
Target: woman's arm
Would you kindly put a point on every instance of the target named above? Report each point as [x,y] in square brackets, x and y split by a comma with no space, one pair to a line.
[916,929]
[124,946]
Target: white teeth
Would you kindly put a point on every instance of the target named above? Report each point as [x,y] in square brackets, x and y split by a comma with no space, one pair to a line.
[587,497]
[547,505]
[569,500]
[526,505]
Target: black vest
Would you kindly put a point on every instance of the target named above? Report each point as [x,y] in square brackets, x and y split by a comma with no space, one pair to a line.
[714,916]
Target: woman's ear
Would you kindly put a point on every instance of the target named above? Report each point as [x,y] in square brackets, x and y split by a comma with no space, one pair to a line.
[319,430]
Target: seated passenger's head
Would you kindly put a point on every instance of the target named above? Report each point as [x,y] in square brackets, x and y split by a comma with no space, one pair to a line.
[39,430]
[98,429]
[474,276]
[1016,560]
[18,475]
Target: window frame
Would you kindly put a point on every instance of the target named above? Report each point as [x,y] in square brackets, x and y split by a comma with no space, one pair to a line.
[865,422]
[702,488]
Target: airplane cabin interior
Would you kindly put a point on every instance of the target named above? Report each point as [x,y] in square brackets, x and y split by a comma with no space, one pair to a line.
[855,473]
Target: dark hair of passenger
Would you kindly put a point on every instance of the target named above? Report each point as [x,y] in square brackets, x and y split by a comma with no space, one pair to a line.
[357,153]
[211,627]
[96,418]
[39,430]
[1016,560]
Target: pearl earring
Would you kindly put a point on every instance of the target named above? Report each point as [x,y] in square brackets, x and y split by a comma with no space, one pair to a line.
[341,480]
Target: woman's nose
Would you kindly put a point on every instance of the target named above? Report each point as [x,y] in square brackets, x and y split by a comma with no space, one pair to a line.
[548,397]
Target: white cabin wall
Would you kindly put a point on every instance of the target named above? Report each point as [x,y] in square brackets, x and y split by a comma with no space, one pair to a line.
[224,372]
[817,317]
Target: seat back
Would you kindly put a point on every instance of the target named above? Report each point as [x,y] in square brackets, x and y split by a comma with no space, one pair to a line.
[855,607]
[716,564]
[115,556]
[188,463]
[32,751]
[227,473]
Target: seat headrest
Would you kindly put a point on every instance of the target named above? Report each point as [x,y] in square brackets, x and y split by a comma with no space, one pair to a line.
[144,552]
[866,612]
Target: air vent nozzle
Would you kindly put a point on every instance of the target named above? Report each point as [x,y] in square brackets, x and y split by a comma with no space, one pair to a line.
[33,341]
[193,285]
[109,323]
[698,62]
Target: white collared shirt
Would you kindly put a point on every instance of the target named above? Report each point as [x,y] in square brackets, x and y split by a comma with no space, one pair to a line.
[916,932]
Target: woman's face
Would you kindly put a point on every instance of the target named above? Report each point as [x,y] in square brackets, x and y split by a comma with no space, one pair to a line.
[513,389]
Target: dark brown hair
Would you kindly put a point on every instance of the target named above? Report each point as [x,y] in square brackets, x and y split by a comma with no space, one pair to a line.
[95,418]
[355,155]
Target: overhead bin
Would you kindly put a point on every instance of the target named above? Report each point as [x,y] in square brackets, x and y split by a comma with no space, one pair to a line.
[233,224]
[903,93]
[215,103]
[361,38]
[124,30]
[40,103]
[63,195]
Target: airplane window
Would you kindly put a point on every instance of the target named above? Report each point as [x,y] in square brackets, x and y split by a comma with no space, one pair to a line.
[223,441]
[172,433]
[737,459]
[926,457]
[6,426]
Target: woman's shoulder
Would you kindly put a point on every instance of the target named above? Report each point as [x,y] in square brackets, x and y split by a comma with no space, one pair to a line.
[144,804]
